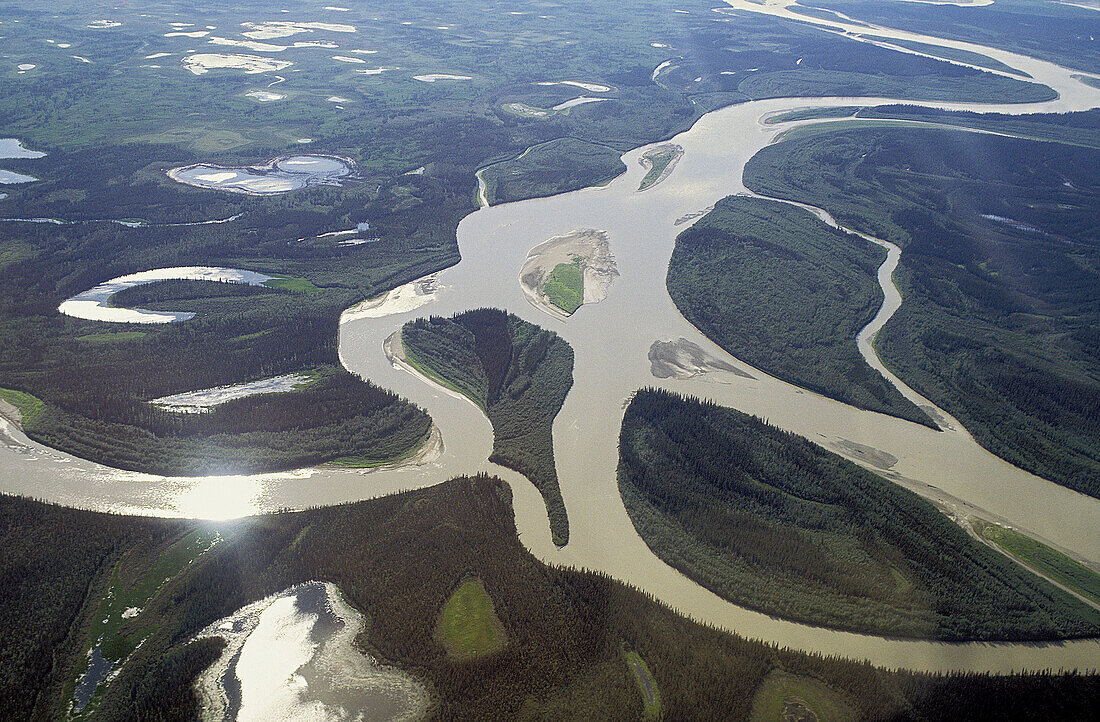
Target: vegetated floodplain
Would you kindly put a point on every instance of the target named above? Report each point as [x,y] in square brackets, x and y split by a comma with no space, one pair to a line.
[396,559]
[337,416]
[783,291]
[999,271]
[1039,556]
[111,637]
[844,111]
[468,624]
[647,686]
[135,103]
[565,286]
[962,56]
[770,521]
[518,373]
[550,168]
[788,697]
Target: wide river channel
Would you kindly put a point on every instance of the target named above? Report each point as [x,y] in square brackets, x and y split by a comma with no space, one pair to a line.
[611,341]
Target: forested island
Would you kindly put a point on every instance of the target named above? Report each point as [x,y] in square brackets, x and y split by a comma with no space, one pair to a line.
[517,373]
[998,271]
[770,521]
[775,286]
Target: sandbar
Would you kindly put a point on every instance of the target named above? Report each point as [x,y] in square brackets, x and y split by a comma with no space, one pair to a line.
[591,248]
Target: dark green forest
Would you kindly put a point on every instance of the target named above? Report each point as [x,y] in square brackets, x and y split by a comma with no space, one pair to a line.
[397,560]
[770,521]
[518,373]
[783,291]
[998,273]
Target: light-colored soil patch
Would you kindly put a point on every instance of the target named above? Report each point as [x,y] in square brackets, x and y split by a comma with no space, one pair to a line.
[584,99]
[591,248]
[682,359]
[248,45]
[590,87]
[395,354]
[192,402]
[92,304]
[202,63]
[399,300]
[433,77]
[868,454]
[264,96]
[284,29]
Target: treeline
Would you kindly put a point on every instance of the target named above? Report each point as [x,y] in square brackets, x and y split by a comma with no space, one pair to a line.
[518,373]
[182,289]
[770,521]
[397,560]
[999,275]
[788,294]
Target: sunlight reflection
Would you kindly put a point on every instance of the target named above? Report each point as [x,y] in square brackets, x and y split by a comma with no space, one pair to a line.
[220,497]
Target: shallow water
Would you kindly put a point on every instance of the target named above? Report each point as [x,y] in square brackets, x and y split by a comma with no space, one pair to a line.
[293,657]
[93,303]
[280,176]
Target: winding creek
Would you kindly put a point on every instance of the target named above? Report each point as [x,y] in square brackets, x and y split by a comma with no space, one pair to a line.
[611,341]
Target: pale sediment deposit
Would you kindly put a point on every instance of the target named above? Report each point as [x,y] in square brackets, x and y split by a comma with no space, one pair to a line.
[202,63]
[93,304]
[192,402]
[433,77]
[590,87]
[284,29]
[402,299]
[281,175]
[659,163]
[264,96]
[682,359]
[590,248]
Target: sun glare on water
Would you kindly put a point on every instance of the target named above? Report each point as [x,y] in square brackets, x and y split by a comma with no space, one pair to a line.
[219,498]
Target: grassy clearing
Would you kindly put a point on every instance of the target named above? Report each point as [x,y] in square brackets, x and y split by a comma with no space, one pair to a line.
[782,697]
[133,584]
[118,337]
[29,406]
[647,686]
[565,286]
[1049,561]
[468,625]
